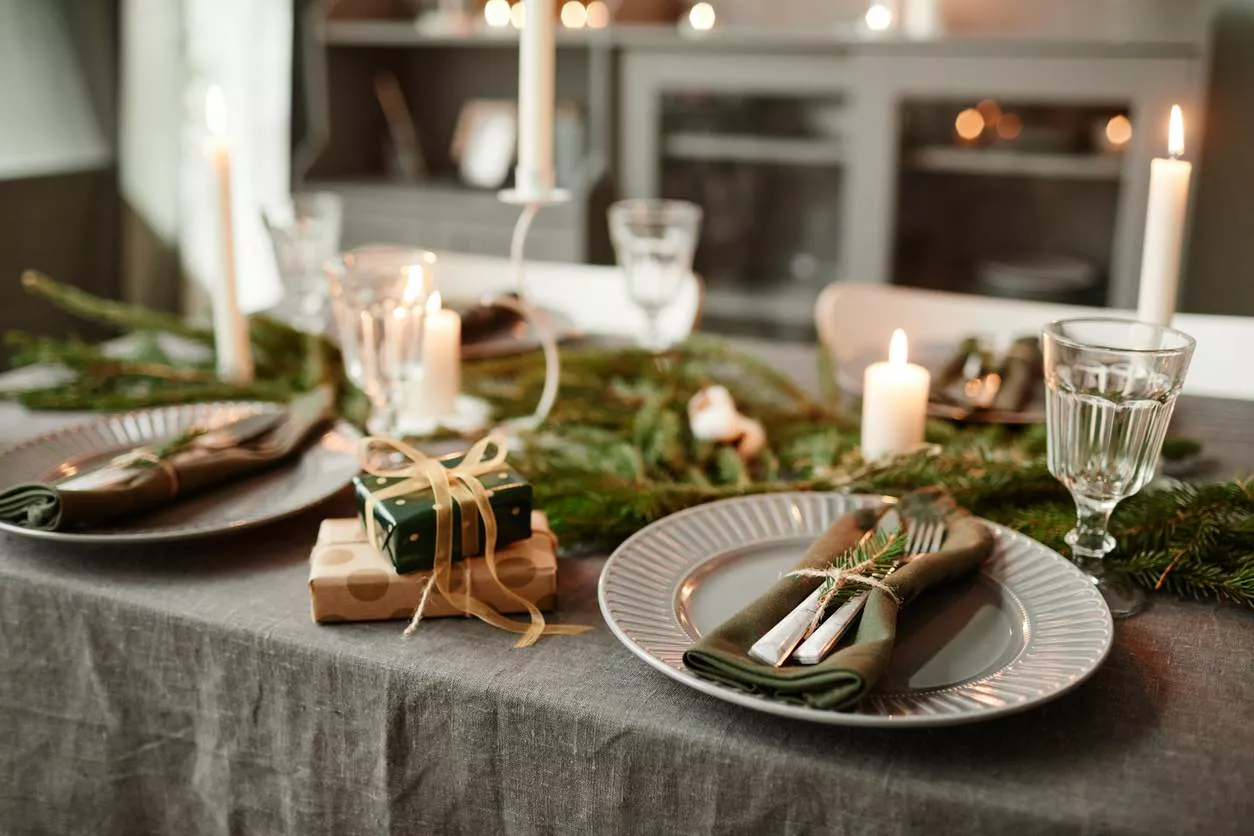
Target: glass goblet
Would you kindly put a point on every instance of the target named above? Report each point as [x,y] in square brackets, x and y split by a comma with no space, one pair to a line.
[379,300]
[1111,385]
[305,233]
[655,241]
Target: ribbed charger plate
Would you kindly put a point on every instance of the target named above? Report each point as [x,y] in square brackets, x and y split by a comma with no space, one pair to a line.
[1028,628]
[323,468]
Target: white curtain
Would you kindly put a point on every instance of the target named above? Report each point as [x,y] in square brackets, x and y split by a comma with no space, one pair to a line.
[47,122]
[172,52]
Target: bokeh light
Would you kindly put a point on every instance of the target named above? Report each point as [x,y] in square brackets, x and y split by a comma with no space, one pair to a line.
[969,124]
[574,14]
[701,17]
[879,17]
[990,110]
[1119,130]
[496,13]
[598,14]
[1009,126]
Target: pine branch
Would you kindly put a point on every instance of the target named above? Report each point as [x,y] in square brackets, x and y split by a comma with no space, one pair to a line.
[108,312]
[617,453]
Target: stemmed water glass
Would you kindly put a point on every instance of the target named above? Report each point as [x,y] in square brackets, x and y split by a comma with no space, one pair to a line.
[379,299]
[305,232]
[1111,385]
[655,241]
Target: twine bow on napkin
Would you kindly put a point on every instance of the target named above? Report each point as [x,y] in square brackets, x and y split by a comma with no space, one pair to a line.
[421,472]
[836,577]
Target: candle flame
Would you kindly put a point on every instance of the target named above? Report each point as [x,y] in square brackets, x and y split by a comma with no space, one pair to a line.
[415,284]
[215,110]
[897,348]
[1175,132]
[434,302]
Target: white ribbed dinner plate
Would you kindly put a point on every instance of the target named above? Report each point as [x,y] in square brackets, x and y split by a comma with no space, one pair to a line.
[1029,627]
[323,467]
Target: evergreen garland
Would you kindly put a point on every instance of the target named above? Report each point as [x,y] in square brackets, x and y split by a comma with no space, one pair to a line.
[617,453]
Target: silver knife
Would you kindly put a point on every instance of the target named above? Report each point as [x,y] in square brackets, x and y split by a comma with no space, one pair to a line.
[778,643]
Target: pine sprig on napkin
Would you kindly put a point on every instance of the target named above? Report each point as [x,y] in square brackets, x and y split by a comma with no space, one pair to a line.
[880,552]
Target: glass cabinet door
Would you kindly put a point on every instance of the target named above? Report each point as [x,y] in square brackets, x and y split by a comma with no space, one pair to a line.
[1010,198]
[759,142]
[767,170]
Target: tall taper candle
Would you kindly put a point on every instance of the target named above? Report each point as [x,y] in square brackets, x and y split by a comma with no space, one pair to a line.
[1164,228]
[533,175]
[232,345]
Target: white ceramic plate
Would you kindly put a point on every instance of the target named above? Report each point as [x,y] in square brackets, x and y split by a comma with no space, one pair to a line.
[323,468]
[1026,629]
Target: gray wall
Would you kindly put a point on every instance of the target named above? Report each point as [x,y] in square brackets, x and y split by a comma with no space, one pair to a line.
[1219,267]
[66,225]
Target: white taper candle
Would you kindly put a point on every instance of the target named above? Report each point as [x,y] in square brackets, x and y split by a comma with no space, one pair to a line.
[232,346]
[1165,215]
[533,175]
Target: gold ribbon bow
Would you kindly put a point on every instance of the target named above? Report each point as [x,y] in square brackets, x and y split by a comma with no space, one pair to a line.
[421,472]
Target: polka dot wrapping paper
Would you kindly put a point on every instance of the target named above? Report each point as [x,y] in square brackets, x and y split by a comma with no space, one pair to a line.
[350,580]
[406,524]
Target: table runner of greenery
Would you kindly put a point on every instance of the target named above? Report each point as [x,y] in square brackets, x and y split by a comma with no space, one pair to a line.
[616,452]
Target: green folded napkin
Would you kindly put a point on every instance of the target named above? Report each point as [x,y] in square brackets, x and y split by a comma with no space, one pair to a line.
[1019,370]
[840,680]
[1021,374]
[46,507]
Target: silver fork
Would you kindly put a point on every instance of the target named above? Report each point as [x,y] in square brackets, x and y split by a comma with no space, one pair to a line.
[922,539]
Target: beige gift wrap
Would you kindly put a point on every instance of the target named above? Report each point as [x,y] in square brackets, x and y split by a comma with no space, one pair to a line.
[349,580]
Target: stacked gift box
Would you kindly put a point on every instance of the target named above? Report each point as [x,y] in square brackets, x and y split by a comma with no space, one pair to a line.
[354,579]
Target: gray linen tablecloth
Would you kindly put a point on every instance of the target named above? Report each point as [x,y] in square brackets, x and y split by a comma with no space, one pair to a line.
[183,689]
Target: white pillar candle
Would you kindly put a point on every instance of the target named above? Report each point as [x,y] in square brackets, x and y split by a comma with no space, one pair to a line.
[894,403]
[441,359]
[232,346]
[1164,228]
[536,58]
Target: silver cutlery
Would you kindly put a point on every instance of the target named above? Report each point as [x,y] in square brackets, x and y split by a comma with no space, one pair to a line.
[779,642]
[127,463]
[923,538]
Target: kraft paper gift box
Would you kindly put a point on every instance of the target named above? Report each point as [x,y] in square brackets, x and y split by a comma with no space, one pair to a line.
[406,524]
[350,580]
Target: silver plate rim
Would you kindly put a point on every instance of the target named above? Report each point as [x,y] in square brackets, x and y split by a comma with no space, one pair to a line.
[169,535]
[868,720]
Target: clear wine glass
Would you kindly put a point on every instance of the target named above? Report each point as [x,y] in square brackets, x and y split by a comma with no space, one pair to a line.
[379,299]
[1111,385]
[655,241]
[305,233]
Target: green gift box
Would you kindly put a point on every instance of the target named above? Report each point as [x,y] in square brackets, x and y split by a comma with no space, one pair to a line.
[405,525]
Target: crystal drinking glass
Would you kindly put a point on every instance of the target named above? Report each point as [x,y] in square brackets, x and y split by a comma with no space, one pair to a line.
[305,232]
[1111,386]
[379,300]
[655,241]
